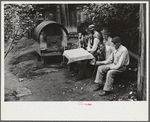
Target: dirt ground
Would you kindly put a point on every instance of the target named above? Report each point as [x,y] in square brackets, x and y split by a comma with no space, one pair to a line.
[26,79]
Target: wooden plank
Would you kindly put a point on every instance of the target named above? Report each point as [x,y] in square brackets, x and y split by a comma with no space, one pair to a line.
[133,55]
[64,18]
[139,88]
[67,15]
[143,54]
[141,83]
[58,10]
[51,54]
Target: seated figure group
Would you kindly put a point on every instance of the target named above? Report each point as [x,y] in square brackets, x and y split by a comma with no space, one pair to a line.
[111,57]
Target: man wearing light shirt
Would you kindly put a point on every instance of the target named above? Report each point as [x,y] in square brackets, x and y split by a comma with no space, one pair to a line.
[107,40]
[92,45]
[115,64]
[94,40]
[96,34]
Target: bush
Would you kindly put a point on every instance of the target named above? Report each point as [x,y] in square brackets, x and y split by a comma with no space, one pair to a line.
[121,19]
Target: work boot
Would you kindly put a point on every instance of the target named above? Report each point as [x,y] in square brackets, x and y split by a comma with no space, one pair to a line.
[103,93]
[98,87]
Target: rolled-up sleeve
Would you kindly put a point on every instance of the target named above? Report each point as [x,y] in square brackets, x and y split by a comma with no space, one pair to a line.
[95,45]
[108,51]
[110,59]
[97,35]
[89,45]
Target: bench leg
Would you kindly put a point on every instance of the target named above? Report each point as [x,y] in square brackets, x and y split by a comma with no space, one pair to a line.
[42,61]
[39,58]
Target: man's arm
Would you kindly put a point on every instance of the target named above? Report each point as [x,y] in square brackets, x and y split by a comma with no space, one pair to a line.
[88,46]
[96,35]
[108,51]
[108,61]
[124,57]
[95,45]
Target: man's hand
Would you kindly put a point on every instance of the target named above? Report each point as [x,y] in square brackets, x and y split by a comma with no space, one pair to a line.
[92,52]
[98,51]
[92,62]
[99,63]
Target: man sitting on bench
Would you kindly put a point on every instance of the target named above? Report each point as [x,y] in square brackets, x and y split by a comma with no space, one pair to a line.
[115,64]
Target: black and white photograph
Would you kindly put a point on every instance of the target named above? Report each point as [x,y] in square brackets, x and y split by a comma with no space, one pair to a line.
[75,53]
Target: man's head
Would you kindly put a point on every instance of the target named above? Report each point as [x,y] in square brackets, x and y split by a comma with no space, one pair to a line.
[117,42]
[79,35]
[90,34]
[105,33]
[101,46]
[91,27]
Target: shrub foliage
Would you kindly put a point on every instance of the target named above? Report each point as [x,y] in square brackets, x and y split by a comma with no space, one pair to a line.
[121,19]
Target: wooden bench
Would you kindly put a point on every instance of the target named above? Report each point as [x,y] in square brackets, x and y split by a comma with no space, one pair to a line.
[129,74]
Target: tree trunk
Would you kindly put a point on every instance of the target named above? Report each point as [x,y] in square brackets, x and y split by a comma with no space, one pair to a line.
[141,84]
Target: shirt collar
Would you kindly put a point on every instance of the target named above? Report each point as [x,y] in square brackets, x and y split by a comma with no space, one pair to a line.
[108,40]
[118,48]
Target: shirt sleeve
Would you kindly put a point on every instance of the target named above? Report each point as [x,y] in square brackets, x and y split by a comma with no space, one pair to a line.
[95,45]
[121,61]
[110,59]
[79,43]
[89,45]
[97,35]
[108,51]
